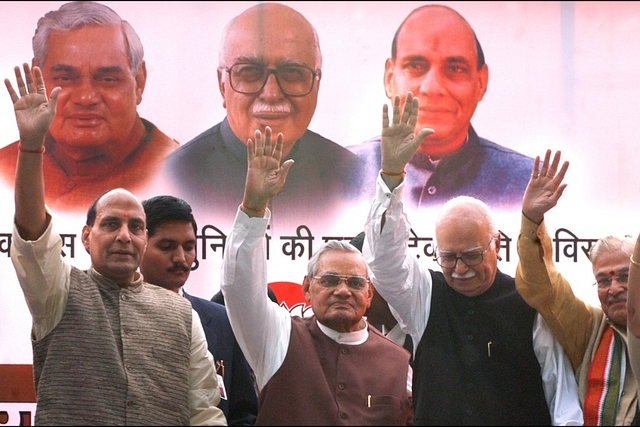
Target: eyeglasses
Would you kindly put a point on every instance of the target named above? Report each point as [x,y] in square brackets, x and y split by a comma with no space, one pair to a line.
[293,80]
[356,283]
[470,259]
[605,282]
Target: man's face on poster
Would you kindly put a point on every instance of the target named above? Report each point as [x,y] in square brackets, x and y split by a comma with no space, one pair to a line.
[275,45]
[99,97]
[436,59]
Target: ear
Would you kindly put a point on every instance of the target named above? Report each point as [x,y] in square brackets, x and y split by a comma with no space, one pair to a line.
[221,87]
[306,283]
[498,237]
[389,81]
[86,230]
[370,292]
[483,81]
[141,81]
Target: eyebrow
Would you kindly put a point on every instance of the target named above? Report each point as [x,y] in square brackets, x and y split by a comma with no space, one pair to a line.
[604,274]
[101,70]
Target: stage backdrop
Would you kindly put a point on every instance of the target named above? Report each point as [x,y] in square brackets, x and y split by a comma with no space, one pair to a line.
[562,75]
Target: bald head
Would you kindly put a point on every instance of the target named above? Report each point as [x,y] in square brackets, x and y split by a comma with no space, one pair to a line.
[437,16]
[266,43]
[264,23]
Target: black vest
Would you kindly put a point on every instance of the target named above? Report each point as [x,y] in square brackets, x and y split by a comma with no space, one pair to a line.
[475,363]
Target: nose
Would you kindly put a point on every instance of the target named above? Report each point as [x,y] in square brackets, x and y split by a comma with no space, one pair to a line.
[271,89]
[431,83]
[85,93]
[617,287]
[342,287]
[179,256]
[460,267]
[123,234]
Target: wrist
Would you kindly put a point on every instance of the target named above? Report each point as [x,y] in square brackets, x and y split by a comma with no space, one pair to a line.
[30,151]
[391,173]
[250,210]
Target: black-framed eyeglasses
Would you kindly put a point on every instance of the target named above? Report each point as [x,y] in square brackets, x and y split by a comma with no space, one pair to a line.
[470,258]
[293,80]
[356,283]
[605,282]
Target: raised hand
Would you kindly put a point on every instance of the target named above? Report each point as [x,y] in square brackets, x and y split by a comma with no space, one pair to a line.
[34,112]
[399,141]
[265,175]
[545,187]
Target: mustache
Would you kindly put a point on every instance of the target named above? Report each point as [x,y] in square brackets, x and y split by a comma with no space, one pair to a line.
[264,107]
[468,275]
[179,267]
[617,298]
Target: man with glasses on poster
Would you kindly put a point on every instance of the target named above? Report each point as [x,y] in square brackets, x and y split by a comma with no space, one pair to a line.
[269,75]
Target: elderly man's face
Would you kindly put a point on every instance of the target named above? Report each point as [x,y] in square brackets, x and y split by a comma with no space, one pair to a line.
[611,269]
[118,238]
[342,306]
[99,97]
[271,39]
[438,63]
[460,237]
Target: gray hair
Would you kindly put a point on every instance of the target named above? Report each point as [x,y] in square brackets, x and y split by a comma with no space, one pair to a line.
[331,245]
[608,244]
[77,14]
[466,203]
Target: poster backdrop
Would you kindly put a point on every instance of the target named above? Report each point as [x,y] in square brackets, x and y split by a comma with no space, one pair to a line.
[562,75]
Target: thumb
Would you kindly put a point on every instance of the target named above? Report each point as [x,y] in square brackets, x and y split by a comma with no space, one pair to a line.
[425,132]
[53,98]
[284,169]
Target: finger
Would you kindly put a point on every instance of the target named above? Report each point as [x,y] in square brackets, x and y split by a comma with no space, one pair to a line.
[385,116]
[415,107]
[42,90]
[407,108]
[536,164]
[545,163]
[268,151]
[554,165]
[22,90]
[277,151]
[12,92]
[396,109]
[28,77]
[251,150]
[259,143]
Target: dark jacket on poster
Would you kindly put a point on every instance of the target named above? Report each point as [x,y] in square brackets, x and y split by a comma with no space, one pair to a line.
[210,171]
[483,169]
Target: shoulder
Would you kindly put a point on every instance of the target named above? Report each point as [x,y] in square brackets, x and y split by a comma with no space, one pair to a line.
[198,143]
[370,146]
[212,309]
[157,137]
[332,152]
[500,154]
